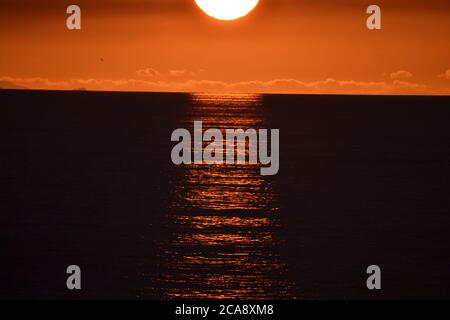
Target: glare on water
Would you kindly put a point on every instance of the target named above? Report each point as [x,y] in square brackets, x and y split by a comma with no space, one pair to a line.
[224,218]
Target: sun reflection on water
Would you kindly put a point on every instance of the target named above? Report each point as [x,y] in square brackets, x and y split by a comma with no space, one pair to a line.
[224,218]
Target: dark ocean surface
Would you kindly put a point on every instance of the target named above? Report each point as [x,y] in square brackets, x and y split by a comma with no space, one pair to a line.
[87,179]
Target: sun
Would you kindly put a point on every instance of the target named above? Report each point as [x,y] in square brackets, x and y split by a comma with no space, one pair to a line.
[227,9]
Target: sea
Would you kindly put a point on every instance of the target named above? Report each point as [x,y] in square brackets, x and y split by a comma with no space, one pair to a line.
[87,179]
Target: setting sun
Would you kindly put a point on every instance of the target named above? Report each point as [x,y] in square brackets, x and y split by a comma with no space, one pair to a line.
[227,9]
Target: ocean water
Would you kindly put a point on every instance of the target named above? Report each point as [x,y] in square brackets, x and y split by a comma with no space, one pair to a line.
[87,179]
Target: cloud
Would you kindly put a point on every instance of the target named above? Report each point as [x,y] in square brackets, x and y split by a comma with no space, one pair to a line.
[5,84]
[445,75]
[180,73]
[150,72]
[282,85]
[327,86]
[402,74]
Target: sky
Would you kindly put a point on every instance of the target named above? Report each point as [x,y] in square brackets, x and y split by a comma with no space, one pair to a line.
[283,46]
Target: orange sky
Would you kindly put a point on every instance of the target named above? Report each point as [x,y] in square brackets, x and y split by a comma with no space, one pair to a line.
[284,46]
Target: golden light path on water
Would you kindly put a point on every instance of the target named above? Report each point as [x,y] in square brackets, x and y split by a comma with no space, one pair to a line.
[224,218]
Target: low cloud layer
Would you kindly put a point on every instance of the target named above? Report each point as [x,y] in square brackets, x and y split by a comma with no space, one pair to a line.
[445,75]
[326,86]
[151,72]
[402,74]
